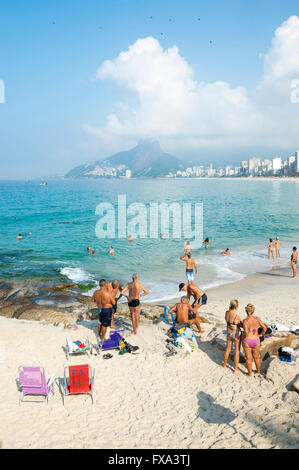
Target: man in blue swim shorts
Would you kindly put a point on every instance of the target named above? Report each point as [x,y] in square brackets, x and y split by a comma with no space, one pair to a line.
[105,302]
[190,264]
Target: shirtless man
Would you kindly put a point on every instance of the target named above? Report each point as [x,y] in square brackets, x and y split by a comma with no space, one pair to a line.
[134,289]
[200,298]
[114,287]
[182,310]
[189,267]
[226,252]
[105,302]
[188,248]
[19,237]
[294,259]
[277,247]
[271,248]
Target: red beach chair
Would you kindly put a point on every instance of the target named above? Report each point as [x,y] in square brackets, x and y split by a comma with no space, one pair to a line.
[80,379]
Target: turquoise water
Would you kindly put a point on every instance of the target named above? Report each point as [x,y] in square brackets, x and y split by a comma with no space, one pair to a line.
[241,215]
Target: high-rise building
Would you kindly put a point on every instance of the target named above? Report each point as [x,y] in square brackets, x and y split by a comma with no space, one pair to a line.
[276,164]
[253,163]
[128,173]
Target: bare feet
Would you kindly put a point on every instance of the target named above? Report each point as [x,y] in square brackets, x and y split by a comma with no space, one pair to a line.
[237,371]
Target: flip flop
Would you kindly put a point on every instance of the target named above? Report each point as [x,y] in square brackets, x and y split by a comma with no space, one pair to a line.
[107,356]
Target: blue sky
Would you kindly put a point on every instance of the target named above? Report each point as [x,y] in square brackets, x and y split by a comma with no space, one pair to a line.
[48,69]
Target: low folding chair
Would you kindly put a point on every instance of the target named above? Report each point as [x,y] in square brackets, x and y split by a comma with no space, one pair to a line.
[78,379]
[33,382]
[73,347]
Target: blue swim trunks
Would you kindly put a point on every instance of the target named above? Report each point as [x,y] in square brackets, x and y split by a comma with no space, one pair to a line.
[189,275]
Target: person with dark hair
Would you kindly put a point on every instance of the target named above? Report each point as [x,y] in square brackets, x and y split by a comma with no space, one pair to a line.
[271,247]
[114,287]
[19,237]
[105,302]
[207,243]
[200,298]
[294,259]
[226,252]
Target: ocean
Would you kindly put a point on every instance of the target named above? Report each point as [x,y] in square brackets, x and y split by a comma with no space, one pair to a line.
[237,214]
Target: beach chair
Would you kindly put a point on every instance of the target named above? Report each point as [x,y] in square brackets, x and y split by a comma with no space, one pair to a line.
[78,379]
[76,347]
[166,308]
[33,382]
[113,341]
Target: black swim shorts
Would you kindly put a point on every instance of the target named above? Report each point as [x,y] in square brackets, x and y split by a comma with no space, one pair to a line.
[105,316]
[114,308]
[203,299]
[134,303]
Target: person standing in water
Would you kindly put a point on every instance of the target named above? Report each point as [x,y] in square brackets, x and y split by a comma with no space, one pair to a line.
[294,259]
[271,247]
[277,247]
[251,340]
[207,243]
[111,250]
[190,263]
[188,248]
[134,289]
[233,323]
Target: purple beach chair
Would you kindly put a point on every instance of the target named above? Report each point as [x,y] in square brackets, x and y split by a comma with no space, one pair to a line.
[33,382]
[113,341]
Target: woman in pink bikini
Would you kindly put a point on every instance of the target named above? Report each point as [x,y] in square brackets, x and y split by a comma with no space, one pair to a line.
[251,339]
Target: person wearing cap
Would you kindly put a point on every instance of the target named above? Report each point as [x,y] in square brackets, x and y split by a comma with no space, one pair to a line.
[134,288]
[200,298]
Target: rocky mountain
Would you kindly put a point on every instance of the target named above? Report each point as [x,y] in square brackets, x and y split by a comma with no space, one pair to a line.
[146,159]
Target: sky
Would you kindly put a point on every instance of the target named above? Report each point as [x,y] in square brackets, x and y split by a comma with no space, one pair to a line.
[212,81]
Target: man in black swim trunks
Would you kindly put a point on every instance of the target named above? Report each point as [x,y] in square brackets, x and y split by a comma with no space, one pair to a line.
[134,289]
[105,301]
[200,298]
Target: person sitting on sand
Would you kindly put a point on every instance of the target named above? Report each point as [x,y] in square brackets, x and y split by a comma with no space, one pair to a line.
[19,237]
[105,302]
[188,248]
[200,298]
[251,339]
[111,250]
[130,239]
[277,247]
[271,248]
[186,314]
[114,287]
[225,252]
[190,263]
[233,322]
[134,289]
[294,259]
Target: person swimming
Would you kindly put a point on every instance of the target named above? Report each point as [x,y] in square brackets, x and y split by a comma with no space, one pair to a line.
[111,250]
[226,252]
[19,237]
[130,239]
[207,243]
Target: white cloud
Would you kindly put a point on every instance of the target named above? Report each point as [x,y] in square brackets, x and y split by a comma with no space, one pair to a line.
[185,114]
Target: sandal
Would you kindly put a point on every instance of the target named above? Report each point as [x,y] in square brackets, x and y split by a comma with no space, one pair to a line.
[107,356]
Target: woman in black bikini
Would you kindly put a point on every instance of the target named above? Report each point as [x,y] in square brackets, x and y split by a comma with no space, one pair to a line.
[233,322]
[294,259]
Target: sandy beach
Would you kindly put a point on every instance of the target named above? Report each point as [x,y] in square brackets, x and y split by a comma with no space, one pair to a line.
[149,400]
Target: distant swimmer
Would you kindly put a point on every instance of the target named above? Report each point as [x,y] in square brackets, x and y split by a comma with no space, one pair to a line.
[19,237]
[134,288]
[271,247]
[111,250]
[30,234]
[200,297]
[225,252]
[190,263]
[294,259]
[277,247]
[105,301]
[207,243]
[130,239]
[93,253]
[188,248]
[186,314]
[114,287]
